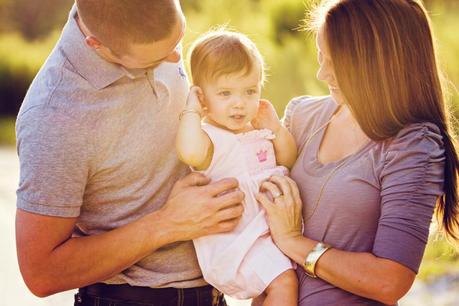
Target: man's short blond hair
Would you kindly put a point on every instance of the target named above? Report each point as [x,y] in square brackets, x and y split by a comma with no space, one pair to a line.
[119,23]
[221,52]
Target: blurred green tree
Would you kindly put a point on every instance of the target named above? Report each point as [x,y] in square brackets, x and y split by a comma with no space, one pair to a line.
[290,55]
[33,19]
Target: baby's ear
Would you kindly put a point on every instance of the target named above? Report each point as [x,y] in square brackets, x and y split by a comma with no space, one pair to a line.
[204,104]
[202,98]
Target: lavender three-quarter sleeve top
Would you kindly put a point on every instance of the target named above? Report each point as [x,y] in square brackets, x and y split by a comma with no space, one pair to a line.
[380,199]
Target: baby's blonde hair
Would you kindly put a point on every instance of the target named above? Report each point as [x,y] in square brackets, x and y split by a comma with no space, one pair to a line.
[221,52]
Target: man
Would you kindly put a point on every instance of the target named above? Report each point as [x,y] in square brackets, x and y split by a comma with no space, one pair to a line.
[100,203]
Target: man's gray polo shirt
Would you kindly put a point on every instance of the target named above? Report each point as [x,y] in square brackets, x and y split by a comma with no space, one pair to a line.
[97,142]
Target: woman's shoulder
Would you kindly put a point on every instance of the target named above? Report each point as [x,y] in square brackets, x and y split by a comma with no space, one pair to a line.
[417,145]
[305,113]
[417,137]
[308,105]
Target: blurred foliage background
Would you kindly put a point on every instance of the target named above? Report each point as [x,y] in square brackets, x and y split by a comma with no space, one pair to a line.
[29,30]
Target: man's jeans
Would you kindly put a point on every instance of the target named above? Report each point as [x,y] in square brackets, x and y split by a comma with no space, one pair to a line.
[124,295]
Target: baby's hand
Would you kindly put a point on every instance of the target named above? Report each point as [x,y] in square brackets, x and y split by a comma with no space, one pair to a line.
[194,100]
[266,117]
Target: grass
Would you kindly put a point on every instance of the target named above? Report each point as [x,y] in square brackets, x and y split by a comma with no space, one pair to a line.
[440,258]
[17,54]
[7,132]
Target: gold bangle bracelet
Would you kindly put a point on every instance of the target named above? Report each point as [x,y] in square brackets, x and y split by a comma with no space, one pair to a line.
[189,111]
[313,256]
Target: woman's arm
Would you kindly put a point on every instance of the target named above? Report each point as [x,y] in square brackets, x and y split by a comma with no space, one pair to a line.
[357,272]
[193,145]
[284,144]
[360,273]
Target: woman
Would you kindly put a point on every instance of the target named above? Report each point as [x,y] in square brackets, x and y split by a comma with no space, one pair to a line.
[374,158]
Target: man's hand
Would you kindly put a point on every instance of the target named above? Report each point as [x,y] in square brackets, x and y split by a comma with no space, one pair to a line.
[266,117]
[51,260]
[196,208]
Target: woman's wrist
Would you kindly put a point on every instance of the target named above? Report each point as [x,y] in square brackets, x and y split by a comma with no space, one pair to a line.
[297,248]
[288,244]
[313,257]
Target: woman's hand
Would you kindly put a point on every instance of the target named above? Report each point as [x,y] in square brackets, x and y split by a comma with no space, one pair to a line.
[266,117]
[284,212]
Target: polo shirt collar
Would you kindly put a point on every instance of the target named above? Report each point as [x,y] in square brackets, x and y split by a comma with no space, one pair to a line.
[97,71]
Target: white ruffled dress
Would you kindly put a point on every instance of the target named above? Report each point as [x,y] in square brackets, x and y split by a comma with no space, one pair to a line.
[242,263]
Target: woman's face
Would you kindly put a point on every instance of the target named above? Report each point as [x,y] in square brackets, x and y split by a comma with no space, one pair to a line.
[326,72]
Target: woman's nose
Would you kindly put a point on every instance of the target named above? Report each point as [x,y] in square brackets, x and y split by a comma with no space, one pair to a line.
[323,74]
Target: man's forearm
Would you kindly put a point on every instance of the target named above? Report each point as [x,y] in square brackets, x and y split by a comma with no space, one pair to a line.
[77,262]
[51,261]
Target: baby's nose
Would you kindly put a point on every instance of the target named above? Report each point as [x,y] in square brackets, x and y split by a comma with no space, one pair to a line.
[238,102]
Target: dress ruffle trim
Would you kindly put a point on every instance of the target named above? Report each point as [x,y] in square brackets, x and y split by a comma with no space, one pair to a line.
[255,135]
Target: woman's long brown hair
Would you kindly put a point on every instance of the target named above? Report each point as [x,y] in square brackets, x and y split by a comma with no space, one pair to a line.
[385,65]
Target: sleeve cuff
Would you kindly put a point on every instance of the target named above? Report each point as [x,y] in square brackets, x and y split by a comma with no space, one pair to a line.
[399,246]
[48,210]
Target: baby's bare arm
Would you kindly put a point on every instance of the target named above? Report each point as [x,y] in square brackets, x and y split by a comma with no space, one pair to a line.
[285,147]
[284,144]
[193,145]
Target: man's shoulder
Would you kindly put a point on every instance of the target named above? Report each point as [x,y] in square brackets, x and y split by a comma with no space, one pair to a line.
[54,81]
[42,122]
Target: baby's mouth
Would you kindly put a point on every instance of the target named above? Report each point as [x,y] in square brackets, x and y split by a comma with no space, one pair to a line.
[237,117]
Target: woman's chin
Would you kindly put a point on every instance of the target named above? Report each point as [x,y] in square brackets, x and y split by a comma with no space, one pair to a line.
[336,96]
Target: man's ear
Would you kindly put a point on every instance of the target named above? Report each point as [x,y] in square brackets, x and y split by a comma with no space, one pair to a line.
[93,42]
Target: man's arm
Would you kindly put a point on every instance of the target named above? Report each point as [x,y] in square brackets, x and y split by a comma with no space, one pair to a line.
[52,261]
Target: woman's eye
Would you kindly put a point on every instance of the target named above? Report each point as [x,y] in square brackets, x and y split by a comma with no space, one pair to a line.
[251,91]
